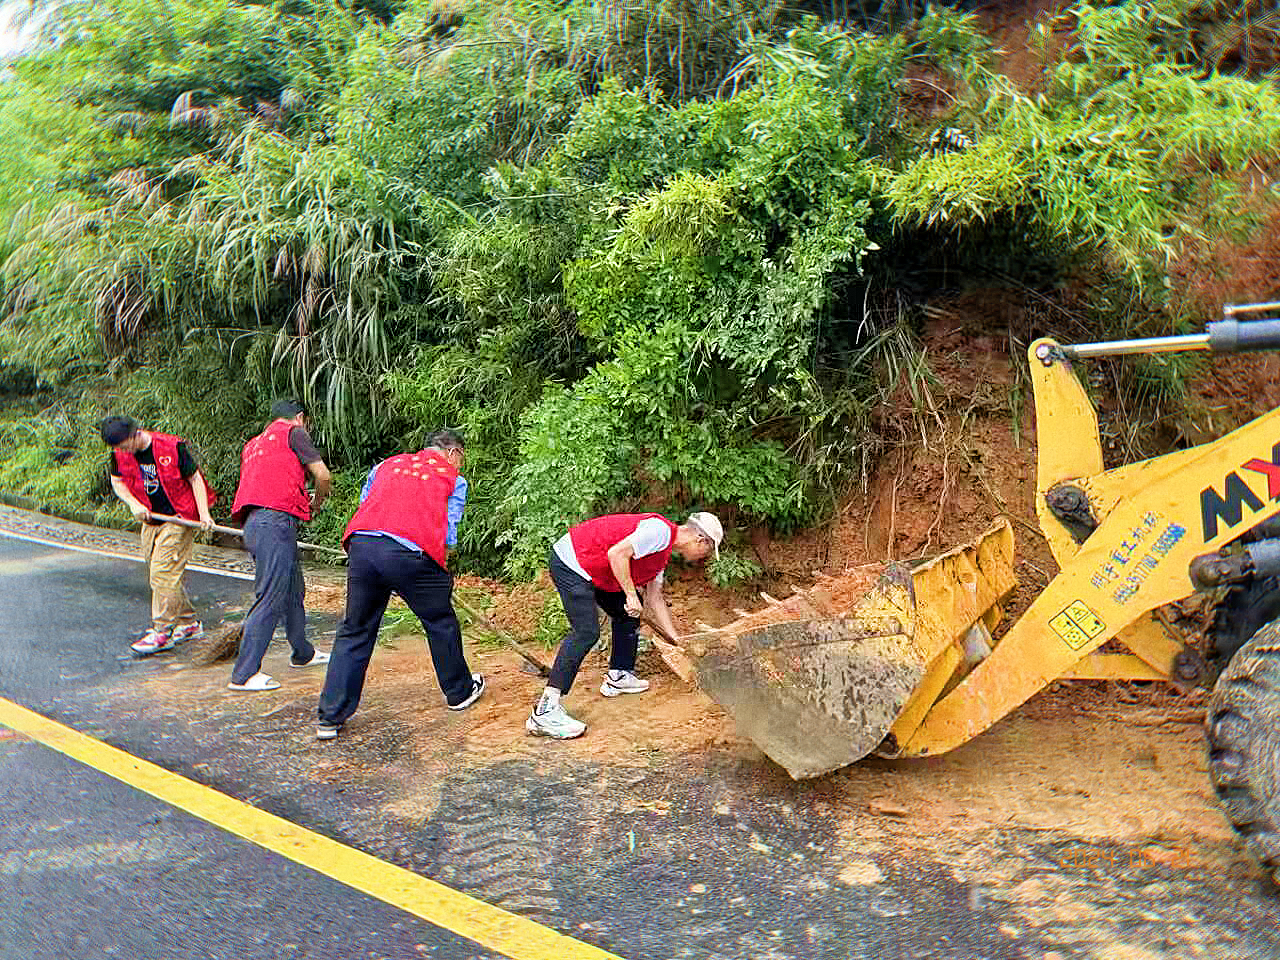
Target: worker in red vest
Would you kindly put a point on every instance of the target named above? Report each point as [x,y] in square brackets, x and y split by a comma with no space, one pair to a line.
[616,563]
[397,543]
[155,474]
[270,502]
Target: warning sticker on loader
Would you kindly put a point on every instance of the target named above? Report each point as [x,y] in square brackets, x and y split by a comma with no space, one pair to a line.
[1077,625]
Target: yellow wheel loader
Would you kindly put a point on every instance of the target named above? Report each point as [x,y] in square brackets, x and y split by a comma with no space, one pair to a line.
[920,662]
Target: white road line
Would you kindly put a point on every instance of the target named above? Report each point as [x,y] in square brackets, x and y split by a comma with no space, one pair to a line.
[199,568]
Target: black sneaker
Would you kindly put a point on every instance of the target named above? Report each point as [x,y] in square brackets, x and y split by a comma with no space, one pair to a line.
[477,688]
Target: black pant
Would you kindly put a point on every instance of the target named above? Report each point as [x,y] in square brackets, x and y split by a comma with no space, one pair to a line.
[580,598]
[377,566]
[279,590]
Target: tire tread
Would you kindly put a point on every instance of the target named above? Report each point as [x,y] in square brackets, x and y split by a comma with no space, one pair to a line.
[1242,726]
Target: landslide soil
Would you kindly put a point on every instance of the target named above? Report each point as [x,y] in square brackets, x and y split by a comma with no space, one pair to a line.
[1093,761]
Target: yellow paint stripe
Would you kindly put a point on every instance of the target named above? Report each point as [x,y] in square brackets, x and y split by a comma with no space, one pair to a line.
[487,925]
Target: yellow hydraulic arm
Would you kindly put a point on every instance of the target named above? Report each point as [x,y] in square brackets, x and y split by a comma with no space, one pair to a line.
[1124,540]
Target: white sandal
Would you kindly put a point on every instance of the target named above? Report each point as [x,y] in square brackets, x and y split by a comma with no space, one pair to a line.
[258,683]
[317,658]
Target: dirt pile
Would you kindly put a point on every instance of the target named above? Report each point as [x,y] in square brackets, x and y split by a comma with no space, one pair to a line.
[957,459]
[828,596]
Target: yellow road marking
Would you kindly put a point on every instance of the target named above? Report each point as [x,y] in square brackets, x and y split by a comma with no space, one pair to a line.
[487,925]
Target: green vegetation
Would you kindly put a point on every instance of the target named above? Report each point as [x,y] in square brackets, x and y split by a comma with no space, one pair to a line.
[731,568]
[666,255]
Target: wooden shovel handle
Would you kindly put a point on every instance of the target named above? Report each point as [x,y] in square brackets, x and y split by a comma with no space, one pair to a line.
[542,668]
[237,532]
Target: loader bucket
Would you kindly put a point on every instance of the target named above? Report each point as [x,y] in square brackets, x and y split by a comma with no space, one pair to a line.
[819,694]
[818,681]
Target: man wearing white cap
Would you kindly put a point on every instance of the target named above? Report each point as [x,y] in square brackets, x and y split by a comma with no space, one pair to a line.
[614,562]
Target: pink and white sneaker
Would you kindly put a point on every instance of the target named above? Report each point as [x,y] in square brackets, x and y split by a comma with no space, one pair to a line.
[188,631]
[153,642]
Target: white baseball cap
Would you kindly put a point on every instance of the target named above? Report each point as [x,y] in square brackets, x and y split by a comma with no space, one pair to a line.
[709,524]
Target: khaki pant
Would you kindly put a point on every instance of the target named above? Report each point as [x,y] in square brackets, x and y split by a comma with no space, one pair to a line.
[167,549]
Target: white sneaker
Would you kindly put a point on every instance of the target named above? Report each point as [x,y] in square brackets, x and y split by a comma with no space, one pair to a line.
[555,723]
[153,642]
[618,682]
[317,658]
[258,683]
[188,631]
[327,731]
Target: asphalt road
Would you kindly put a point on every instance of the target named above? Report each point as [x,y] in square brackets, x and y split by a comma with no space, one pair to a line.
[681,859]
[92,868]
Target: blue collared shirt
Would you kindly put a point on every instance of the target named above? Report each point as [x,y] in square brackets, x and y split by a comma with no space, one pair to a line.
[457,502]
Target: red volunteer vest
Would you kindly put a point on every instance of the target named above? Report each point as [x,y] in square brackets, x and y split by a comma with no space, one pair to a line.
[271,476]
[410,498]
[591,542]
[164,447]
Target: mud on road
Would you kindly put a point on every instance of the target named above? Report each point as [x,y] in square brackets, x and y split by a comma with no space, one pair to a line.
[1082,826]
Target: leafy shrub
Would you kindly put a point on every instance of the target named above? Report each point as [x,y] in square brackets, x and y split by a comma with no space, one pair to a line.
[479,393]
[955,42]
[55,458]
[18,380]
[330,521]
[644,256]
[572,458]
[732,568]
[1118,159]
[553,623]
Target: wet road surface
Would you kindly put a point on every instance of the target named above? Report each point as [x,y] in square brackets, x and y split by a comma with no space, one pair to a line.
[679,858]
[92,868]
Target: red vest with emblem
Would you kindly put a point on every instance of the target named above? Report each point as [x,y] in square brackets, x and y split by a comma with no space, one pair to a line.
[410,498]
[591,542]
[271,475]
[164,448]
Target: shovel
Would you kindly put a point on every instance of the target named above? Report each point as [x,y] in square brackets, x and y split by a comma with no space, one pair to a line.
[236,532]
[542,669]
[672,651]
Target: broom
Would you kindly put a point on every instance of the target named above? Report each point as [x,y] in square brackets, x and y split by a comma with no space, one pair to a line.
[221,645]
[224,643]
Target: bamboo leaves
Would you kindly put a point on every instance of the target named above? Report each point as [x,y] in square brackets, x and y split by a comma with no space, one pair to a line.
[1111,171]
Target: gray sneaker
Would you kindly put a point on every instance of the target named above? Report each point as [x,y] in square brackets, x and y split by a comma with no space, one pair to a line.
[618,682]
[555,723]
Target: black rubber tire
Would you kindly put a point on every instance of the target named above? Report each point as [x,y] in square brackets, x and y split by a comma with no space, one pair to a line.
[1243,729]
[1246,608]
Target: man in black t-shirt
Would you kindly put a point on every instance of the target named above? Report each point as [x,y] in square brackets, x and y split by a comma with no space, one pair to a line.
[272,500]
[154,475]
[151,481]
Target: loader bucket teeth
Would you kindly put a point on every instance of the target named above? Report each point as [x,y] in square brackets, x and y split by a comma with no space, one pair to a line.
[816,695]
[818,680]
